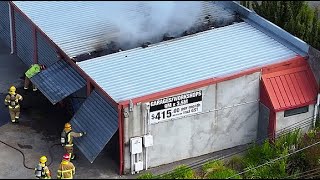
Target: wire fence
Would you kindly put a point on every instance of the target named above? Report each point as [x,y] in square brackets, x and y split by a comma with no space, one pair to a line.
[305,123]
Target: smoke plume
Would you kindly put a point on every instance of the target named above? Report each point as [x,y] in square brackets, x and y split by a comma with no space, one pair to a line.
[137,22]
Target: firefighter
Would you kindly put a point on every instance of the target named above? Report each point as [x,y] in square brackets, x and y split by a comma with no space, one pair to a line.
[33,70]
[42,171]
[66,168]
[67,136]
[12,101]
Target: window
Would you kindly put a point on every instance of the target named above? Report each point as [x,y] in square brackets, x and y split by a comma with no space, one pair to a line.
[296,111]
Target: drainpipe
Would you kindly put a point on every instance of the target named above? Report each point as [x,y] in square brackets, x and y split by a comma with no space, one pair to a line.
[146,132]
[316,110]
[11,16]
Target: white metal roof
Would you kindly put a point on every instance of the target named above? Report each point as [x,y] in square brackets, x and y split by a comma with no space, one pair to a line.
[79,27]
[217,52]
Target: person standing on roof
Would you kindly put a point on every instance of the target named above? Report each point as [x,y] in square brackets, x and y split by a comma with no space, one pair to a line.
[42,171]
[67,136]
[12,101]
[66,168]
[33,70]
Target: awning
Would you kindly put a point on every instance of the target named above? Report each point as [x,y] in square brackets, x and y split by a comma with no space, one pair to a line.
[58,81]
[291,88]
[99,119]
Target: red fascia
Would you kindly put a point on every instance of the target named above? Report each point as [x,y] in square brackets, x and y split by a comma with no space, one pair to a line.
[65,56]
[121,142]
[203,83]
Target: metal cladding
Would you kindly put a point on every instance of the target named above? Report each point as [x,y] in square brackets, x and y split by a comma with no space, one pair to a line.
[5,23]
[77,27]
[214,53]
[99,119]
[291,88]
[58,81]
[24,39]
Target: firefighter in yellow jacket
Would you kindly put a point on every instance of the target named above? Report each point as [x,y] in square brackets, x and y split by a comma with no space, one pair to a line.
[66,168]
[42,171]
[12,101]
[67,136]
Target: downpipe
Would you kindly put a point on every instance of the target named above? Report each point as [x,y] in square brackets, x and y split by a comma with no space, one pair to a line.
[316,109]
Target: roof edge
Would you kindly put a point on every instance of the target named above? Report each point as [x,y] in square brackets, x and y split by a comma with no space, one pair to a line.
[269,28]
[203,83]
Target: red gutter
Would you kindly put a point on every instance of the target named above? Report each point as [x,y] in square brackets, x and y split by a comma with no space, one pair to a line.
[89,88]
[13,25]
[35,46]
[203,83]
[120,120]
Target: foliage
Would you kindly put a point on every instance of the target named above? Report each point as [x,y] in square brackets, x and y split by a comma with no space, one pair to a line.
[290,140]
[258,155]
[296,17]
[146,176]
[217,170]
[180,172]
[313,153]
[236,163]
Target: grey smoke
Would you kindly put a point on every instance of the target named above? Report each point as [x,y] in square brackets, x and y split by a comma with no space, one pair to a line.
[152,21]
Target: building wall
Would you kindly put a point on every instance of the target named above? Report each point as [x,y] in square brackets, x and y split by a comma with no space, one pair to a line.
[47,55]
[24,39]
[5,23]
[303,120]
[229,118]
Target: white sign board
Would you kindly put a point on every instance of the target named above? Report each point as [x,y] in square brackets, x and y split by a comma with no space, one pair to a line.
[175,106]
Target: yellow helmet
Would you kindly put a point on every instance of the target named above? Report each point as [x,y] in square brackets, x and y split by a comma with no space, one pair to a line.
[12,90]
[43,159]
[67,126]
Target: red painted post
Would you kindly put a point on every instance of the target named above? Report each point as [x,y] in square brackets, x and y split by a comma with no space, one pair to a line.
[120,120]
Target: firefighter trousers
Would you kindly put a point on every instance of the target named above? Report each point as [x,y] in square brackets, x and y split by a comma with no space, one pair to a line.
[14,114]
[69,150]
[27,83]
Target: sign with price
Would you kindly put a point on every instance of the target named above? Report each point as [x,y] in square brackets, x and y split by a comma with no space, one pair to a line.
[175,106]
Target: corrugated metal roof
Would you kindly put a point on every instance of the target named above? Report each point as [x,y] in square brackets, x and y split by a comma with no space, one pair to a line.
[291,88]
[217,52]
[58,81]
[79,27]
[99,119]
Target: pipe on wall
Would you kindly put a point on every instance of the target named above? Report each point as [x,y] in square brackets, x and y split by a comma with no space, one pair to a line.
[12,28]
[316,109]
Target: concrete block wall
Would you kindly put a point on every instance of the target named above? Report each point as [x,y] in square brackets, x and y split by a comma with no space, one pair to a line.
[295,120]
[229,118]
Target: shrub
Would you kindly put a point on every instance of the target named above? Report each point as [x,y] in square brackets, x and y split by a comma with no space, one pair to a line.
[217,170]
[258,155]
[180,172]
[146,176]
[236,163]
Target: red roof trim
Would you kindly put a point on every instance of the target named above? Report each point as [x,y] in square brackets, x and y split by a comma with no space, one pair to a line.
[293,62]
[290,88]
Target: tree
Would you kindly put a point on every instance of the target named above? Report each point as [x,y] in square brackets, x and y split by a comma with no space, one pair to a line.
[296,17]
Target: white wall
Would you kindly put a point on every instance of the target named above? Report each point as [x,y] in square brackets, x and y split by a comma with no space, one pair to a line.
[283,123]
[229,118]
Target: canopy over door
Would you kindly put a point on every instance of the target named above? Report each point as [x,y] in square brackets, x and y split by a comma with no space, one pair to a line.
[99,119]
[58,81]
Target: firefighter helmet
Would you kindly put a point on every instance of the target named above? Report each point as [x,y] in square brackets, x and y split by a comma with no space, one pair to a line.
[12,90]
[43,159]
[67,126]
[66,156]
